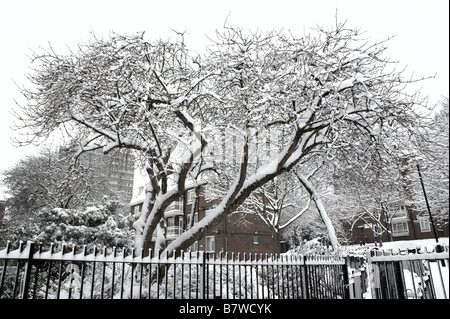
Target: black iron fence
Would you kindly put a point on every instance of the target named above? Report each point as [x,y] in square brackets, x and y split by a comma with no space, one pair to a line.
[81,273]
[29,271]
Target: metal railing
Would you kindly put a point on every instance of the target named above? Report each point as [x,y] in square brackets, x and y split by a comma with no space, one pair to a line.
[81,273]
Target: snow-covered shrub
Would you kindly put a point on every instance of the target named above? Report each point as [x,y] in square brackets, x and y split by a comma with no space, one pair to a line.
[310,247]
[97,225]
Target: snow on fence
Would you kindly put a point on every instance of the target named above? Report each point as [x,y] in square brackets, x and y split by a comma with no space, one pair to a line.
[409,273]
[74,273]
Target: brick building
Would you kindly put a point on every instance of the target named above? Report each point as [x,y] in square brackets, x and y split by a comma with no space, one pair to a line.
[398,222]
[237,233]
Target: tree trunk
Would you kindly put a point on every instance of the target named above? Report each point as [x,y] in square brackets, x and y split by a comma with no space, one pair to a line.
[276,243]
[322,211]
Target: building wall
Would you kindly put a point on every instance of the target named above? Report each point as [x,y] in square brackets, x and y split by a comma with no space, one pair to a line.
[241,233]
[237,233]
[361,233]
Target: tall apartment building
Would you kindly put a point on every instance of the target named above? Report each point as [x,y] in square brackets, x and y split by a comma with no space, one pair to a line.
[116,169]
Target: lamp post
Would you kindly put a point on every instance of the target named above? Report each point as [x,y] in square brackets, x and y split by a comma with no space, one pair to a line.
[417,162]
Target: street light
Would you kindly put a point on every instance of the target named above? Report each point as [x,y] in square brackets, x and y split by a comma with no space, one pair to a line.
[418,161]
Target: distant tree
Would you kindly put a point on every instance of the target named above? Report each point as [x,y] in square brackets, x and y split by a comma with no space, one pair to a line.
[434,151]
[279,203]
[48,179]
[364,184]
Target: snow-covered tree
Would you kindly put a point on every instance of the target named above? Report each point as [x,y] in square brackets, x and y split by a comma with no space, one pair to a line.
[49,179]
[279,203]
[365,181]
[434,152]
[168,106]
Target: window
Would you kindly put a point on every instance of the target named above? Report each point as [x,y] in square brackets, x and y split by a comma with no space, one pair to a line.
[424,225]
[137,209]
[170,222]
[194,247]
[400,229]
[396,210]
[210,244]
[175,205]
[377,230]
[255,240]
[190,196]
[195,218]
[376,213]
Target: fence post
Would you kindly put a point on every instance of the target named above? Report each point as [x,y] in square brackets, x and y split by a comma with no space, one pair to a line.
[203,275]
[346,279]
[305,278]
[28,267]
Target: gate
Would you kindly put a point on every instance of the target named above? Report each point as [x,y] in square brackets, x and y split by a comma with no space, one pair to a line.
[409,273]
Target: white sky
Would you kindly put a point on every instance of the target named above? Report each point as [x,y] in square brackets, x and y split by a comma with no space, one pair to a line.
[421,44]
